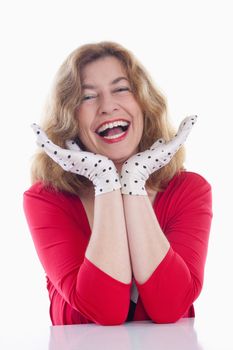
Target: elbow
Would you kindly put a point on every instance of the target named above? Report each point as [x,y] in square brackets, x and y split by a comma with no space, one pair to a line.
[110,321]
[111,318]
[166,318]
[167,315]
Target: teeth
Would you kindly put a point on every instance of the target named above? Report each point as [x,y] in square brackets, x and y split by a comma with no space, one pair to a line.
[112,125]
[114,136]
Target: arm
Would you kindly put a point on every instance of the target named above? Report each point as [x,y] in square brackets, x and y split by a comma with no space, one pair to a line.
[108,246]
[61,235]
[148,244]
[150,249]
[184,211]
[107,251]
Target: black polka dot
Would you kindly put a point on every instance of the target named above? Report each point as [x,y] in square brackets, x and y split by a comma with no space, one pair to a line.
[110,168]
[107,181]
[116,180]
[156,160]
[169,153]
[83,159]
[149,157]
[96,164]
[55,152]
[99,161]
[73,142]
[160,141]
[73,164]
[126,162]
[96,174]
[130,193]
[42,145]
[136,164]
[69,156]
[64,164]
[127,171]
[104,170]
[135,181]
[101,190]
[125,185]
[48,141]
[144,166]
[38,132]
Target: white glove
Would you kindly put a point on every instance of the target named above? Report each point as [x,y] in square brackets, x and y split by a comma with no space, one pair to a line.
[97,168]
[137,169]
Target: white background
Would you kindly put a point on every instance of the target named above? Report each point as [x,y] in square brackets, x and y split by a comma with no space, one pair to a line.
[186,46]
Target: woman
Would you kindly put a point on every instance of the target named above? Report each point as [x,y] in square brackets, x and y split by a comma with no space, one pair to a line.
[119,226]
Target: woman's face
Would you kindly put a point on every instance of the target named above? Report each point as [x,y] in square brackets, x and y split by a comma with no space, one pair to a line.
[109,117]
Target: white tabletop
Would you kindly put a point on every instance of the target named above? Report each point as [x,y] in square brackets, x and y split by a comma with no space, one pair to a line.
[186,334]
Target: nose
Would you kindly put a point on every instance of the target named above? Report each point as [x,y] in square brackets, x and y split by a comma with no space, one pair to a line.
[107,104]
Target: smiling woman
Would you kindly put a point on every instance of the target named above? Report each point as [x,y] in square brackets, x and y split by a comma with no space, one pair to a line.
[119,226]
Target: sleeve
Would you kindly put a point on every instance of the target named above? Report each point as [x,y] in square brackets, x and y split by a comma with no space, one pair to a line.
[177,281]
[60,242]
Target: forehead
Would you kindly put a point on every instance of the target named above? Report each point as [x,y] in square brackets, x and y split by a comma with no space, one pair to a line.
[103,69]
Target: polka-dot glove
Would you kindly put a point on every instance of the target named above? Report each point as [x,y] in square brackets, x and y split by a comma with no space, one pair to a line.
[137,169]
[97,168]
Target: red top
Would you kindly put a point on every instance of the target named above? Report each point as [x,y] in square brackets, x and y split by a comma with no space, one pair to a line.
[82,293]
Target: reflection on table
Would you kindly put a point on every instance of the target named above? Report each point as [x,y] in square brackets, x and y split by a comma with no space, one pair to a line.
[131,335]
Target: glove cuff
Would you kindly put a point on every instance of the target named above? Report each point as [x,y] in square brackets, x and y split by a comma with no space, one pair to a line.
[133,187]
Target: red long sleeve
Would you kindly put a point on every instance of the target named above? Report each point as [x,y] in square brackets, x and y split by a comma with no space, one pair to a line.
[81,293]
[184,213]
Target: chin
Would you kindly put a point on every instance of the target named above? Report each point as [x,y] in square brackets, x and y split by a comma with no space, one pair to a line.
[121,157]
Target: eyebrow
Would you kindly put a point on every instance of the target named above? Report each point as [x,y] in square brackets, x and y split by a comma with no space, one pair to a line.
[115,81]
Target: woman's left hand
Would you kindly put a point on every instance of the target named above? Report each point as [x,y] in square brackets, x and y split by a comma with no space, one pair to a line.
[137,169]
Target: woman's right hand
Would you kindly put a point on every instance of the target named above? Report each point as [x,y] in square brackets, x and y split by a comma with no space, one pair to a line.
[97,168]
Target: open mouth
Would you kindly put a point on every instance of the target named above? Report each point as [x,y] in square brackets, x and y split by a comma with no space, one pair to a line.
[113,130]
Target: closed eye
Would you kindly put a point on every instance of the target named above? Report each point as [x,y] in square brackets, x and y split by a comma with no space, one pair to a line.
[122,89]
[88,97]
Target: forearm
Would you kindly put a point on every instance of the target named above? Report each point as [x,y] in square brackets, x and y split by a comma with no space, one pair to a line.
[147,243]
[108,246]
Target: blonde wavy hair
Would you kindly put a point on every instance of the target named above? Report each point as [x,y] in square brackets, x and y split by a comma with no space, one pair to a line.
[60,124]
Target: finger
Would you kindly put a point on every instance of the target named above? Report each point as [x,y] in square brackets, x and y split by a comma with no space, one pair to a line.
[187,123]
[41,135]
[72,145]
[58,154]
[157,143]
[184,129]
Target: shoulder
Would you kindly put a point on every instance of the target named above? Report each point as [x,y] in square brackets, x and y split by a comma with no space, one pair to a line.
[187,179]
[184,190]
[40,193]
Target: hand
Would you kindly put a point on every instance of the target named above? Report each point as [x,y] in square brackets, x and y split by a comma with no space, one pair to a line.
[137,169]
[97,168]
